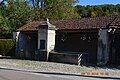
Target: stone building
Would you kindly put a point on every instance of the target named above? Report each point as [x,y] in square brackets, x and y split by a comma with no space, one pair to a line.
[80,41]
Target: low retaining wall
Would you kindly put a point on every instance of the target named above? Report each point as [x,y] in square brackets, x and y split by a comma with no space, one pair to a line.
[71,57]
[34,55]
[79,59]
[65,58]
[41,55]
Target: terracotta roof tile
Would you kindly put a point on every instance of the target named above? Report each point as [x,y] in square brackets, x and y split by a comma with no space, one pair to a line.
[116,22]
[84,23]
[31,26]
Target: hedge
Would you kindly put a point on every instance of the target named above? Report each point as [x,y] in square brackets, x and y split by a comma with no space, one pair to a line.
[7,47]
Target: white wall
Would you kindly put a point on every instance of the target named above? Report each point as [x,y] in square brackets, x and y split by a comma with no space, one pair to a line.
[16,35]
[49,37]
[50,40]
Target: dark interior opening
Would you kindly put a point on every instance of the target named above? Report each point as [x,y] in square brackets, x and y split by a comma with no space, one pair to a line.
[85,42]
[114,56]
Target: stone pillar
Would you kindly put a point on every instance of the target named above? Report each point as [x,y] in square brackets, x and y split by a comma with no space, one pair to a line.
[16,38]
[20,45]
[103,47]
[46,34]
[50,41]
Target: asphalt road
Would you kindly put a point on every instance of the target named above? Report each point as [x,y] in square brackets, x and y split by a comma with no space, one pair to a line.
[20,75]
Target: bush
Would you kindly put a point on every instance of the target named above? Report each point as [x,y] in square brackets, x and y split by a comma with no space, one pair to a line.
[7,47]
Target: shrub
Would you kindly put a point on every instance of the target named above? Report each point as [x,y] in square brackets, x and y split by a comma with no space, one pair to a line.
[7,47]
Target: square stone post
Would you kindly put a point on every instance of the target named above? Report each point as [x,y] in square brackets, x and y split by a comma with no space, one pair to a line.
[103,47]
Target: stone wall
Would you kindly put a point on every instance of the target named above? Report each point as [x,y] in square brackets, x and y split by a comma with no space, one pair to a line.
[71,58]
[103,48]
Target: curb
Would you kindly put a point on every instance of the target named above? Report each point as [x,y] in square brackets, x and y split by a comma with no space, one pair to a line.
[62,73]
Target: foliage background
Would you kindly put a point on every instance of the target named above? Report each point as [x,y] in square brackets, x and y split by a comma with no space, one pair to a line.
[7,47]
[16,13]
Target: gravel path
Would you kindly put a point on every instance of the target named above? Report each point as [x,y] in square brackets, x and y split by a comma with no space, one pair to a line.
[40,66]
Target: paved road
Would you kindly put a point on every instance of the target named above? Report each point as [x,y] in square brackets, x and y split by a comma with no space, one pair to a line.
[19,75]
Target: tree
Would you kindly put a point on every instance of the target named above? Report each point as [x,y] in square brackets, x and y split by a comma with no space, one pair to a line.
[97,10]
[13,16]
[60,9]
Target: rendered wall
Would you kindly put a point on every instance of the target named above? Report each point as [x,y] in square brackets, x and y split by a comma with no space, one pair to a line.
[103,48]
[50,40]
[20,45]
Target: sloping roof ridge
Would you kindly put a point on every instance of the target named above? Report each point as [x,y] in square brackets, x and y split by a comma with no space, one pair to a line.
[112,21]
[116,22]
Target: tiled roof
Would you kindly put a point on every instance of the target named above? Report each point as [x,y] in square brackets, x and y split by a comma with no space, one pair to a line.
[84,23]
[116,22]
[31,26]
